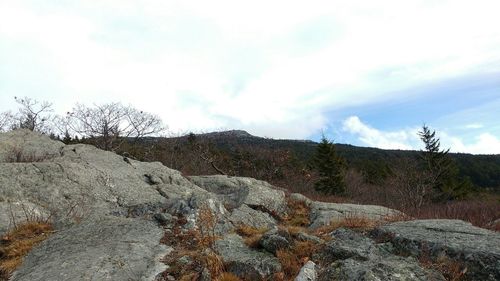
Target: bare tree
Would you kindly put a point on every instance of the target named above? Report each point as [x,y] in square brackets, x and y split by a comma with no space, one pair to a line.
[142,123]
[413,185]
[32,115]
[6,120]
[112,123]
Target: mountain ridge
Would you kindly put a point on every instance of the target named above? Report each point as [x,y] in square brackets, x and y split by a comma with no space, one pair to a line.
[482,169]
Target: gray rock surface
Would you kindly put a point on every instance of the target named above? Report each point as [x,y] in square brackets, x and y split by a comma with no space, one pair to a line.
[12,213]
[347,244]
[324,213]
[82,181]
[235,191]
[307,272]
[478,248]
[389,269]
[274,240]
[25,145]
[353,256]
[109,248]
[302,236]
[245,262]
[248,216]
[300,198]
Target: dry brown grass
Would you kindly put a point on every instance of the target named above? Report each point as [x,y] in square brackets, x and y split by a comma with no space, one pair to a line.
[196,244]
[246,230]
[293,259]
[290,263]
[349,221]
[452,270]
[251,235]
[292,230]
[214,263]
[207,221]
[298,213]
[228,276]
[18,242]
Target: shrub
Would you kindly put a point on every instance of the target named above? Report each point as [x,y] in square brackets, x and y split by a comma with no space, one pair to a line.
[18,155]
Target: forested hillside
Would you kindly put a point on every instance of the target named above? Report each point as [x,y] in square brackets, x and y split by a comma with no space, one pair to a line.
[373,163]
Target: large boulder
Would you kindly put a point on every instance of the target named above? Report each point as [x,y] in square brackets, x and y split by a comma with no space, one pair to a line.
[235,191]
[477,248]
[110,248]
[245,215]
[80,180]
[325,213]
[244,262]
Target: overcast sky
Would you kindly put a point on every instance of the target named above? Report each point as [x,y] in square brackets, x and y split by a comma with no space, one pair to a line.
[368,73]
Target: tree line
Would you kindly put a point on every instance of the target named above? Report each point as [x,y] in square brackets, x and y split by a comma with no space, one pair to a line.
[433,176]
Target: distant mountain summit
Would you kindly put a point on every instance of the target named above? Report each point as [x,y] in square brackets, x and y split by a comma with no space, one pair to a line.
[225,134]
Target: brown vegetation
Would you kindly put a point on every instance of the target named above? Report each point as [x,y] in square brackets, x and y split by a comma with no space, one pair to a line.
[251,235]
[228,276]
[18,242]
[452,270]
[298,213]
[349,221]
[17,155]
[194,249]
[292,259]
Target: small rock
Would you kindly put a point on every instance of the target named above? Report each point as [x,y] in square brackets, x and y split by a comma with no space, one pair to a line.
[272,241]
[302,236]
[244,262]
[307,272]
[164,219]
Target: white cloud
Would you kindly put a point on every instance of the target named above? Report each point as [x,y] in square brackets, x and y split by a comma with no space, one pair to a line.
[407,139]
[377,138]
[204,65]
[484,143]
[474,126]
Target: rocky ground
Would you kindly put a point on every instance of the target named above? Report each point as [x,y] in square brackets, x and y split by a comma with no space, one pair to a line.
[120,219]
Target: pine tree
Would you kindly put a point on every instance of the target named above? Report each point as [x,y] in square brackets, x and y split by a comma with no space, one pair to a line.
[331,169]
[442,169]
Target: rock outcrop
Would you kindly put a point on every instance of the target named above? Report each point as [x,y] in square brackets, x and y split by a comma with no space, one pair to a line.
[110,248]
[478,249]
[352,256]
[121,219]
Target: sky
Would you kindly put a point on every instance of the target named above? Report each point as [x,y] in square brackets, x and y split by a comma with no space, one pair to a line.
[367,73]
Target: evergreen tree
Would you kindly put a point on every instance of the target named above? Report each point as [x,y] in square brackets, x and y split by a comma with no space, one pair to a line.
[331,168]
[442,170]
